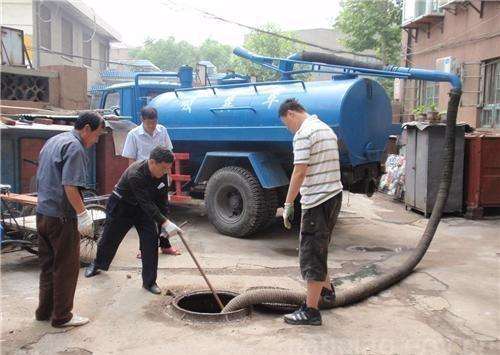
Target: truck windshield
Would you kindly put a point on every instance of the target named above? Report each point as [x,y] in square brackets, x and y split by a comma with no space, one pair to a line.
[112,100]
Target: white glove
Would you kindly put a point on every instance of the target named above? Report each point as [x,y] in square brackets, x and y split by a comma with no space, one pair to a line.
[170,228]
[85,224]
[288,212]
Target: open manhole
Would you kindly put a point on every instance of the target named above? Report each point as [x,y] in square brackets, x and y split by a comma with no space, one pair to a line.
[201,306]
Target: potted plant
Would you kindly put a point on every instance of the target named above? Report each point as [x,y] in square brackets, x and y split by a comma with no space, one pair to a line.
[419,113]
[432,113]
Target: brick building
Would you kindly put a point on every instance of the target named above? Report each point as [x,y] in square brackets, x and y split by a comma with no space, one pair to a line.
[458,36]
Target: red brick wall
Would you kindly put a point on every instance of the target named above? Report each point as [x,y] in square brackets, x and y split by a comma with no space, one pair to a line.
[465,36]
[109,166]
[29,149]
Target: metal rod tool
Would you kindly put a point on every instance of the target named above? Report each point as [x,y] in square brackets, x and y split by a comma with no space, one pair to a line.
[199,267]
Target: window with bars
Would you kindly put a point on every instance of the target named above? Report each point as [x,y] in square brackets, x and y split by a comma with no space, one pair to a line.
[44,23]
[419,93]
[490,115]
[87,47]
[430,93]
[67,37]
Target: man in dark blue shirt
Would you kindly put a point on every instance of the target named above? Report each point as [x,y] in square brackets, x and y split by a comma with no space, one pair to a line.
[139,199]
[62,217]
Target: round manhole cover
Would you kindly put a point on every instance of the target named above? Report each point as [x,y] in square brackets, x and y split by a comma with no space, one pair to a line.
[200,306]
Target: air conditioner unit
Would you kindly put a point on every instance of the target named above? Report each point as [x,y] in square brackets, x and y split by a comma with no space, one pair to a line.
[447,64]
[447,3]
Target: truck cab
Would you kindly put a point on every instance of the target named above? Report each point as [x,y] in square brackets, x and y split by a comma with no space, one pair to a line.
[127,99]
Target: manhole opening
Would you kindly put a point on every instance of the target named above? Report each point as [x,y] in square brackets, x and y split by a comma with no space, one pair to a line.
[201,306]
[204,302]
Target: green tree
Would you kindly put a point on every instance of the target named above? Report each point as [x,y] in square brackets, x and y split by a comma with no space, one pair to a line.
[266,45]
[374,25]
[167,54]
[217,53]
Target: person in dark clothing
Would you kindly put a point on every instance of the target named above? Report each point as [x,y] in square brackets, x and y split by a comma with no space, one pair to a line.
[140,200]
[61,218]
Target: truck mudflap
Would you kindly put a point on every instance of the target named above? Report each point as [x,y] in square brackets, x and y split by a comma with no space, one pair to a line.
[266,167]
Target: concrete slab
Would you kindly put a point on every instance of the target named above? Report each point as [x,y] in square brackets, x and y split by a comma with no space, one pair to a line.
[449,305]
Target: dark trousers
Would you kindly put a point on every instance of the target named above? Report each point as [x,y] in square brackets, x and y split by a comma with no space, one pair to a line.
[120,217]
[58,253]
[315,234]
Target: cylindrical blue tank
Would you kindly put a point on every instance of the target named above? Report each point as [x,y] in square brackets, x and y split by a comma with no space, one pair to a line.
[245,117]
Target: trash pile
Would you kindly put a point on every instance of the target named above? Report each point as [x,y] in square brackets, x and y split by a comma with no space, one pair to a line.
[393,181]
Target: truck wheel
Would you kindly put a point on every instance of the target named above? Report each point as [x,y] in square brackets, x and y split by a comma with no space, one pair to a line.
[236,203]
[271,197]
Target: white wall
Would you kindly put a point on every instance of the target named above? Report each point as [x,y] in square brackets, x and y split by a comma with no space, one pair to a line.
[23,14]
[56,43]
[18,14]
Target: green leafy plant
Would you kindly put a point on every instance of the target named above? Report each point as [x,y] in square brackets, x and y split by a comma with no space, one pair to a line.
[419,110]
[432,107]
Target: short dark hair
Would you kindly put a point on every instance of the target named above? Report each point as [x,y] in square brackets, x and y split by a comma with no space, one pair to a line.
[93,119]
[149,113]
[291,104]
[161,154]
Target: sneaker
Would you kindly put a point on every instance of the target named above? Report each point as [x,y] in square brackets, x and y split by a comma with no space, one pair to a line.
[76,321]
[327,299]
[304,316]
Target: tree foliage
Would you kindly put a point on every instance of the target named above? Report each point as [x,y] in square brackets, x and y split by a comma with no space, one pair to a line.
[266,45]
[217,53]
[169,54]
[374,25]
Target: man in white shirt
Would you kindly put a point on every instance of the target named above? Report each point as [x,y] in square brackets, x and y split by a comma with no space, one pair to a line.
[138,146]
[316,173]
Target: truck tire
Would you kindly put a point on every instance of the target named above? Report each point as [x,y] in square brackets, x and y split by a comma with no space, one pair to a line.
[271,197]
[236,202]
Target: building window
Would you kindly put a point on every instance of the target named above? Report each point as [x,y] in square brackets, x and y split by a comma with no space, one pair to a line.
[67,37]
[44,22]
[490,115]
[103,56]
[430,93]
[87,47]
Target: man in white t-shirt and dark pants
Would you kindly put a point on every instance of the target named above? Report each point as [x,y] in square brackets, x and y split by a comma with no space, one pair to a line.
[316,174]
[138,146]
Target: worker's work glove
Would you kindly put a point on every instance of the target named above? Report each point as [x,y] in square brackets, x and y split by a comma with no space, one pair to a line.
[170,229]
[85,224]
[288,212]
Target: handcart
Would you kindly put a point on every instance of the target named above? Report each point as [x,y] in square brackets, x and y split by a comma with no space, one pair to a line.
[18,223]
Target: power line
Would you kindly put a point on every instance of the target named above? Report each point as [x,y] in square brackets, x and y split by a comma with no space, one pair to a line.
[274,34]
[82,57]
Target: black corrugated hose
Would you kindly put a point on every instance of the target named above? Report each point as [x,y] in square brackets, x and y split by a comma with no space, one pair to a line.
[374,286]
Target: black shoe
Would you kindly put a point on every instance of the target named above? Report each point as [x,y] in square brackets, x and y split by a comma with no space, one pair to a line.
[304,316]
[154,288]
[327,299]
[91,270]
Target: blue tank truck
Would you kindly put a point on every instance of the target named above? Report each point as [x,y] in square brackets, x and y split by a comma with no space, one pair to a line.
[241,153]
